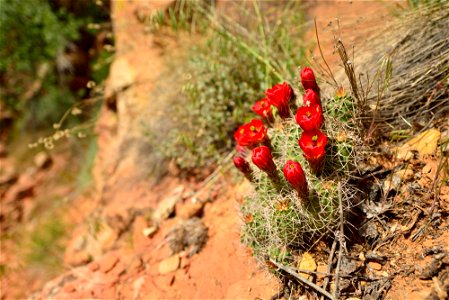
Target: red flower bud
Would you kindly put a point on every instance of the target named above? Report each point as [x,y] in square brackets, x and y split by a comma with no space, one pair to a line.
[309,117]
[251,134]
[295,176]
[243,166]
[279,95]
[308,79]
[311,98]
[313,145]
[263,159]
[263,109]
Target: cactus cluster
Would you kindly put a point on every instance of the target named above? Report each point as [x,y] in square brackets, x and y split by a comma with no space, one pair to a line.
[296,164]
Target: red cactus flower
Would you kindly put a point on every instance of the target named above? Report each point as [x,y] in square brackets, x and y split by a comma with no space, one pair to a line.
[263,159]
[313,145]
[311,98]
[263,109]
[279,95]
[251,134]
[309,117]
[308,79]
[294,174]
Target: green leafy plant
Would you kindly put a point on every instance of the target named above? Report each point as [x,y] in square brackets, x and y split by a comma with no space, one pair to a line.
[241,57]
[44,245]
[34,41]
[32,34]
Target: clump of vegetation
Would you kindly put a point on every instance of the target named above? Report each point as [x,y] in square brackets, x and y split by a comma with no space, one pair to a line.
[44,244]
[414,50]
[239,58]
[302,194]
[45,61]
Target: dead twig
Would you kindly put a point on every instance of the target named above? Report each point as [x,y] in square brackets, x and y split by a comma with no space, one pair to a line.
[329,71]
[302,279]
[341,241]
[329,264]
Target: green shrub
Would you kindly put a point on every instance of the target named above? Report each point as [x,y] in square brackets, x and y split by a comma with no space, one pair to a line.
[241,57]
[44,245]
[32,33]
[34,36]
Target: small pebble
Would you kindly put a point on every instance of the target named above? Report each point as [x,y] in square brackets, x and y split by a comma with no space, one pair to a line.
[375,266]
[94,266]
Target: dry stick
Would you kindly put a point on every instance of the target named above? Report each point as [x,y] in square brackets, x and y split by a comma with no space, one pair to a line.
[329,264]
[302,279]
[340,246]
[322,56]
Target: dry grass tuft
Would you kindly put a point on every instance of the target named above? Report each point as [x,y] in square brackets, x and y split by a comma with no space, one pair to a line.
[402,78]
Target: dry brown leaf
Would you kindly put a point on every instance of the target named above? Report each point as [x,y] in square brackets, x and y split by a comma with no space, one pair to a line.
[307,263]
[425,143]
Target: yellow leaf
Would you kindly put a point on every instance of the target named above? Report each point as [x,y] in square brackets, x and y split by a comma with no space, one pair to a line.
[307,263]
[425,143]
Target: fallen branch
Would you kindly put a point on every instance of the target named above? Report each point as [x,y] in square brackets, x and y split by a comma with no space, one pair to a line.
[302,279]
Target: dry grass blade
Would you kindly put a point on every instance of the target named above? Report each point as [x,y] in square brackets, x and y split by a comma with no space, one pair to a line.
[350,73]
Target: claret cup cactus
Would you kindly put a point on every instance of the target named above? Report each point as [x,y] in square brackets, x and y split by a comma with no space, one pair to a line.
[296,166]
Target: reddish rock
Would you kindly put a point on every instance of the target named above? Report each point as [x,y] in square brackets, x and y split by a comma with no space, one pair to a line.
[69,288]
[42,160]
[94,266]
[76,253]
[139,239]
[77,258]
[149,232]
[135,265]
[190,209]
[375,266]
[169,264]
[118,270]
[109,262]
